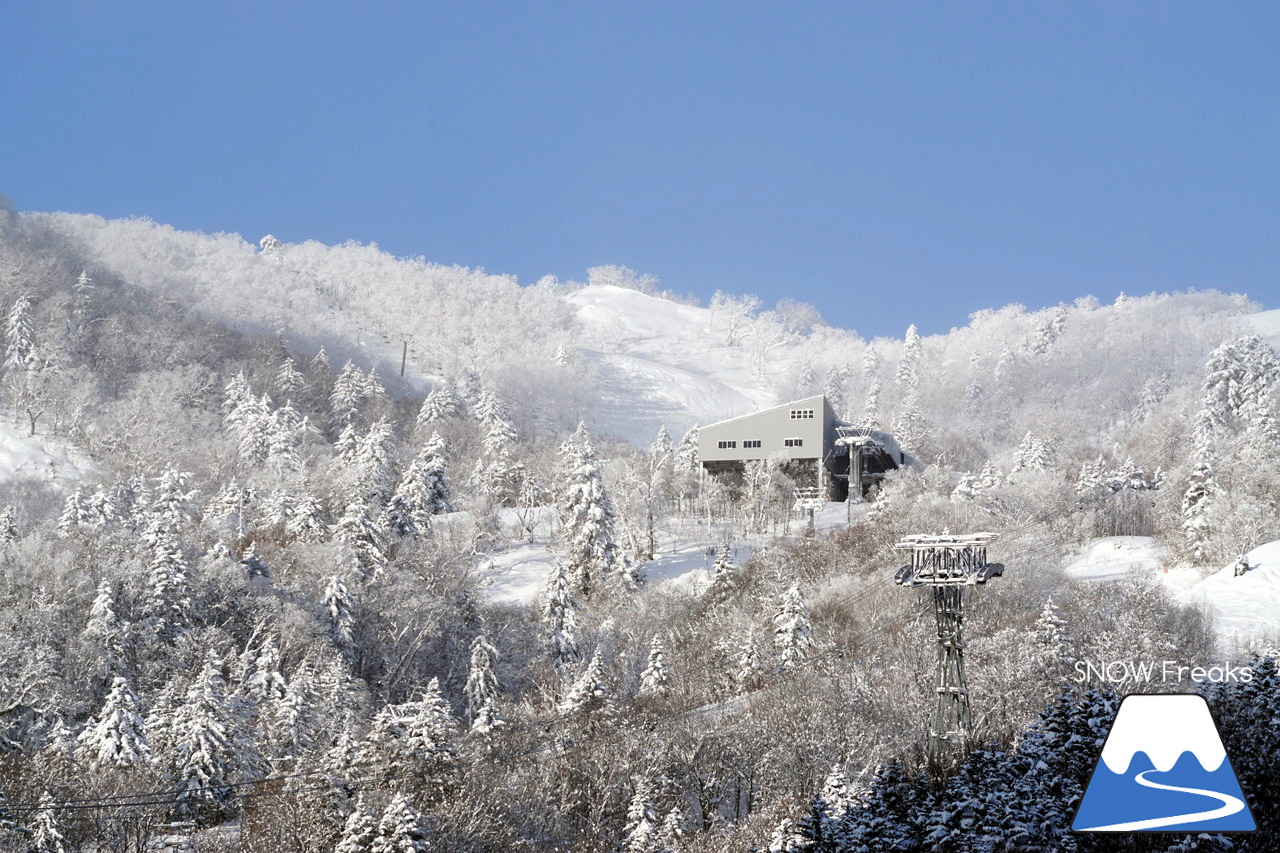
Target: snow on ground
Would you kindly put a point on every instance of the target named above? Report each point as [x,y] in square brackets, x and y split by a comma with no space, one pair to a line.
[1246,610]
[1114,557]
[22,455]
[1267,325]
[661,362]
[684,558]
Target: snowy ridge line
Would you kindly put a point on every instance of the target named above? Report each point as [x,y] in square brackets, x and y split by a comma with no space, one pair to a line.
[142,801]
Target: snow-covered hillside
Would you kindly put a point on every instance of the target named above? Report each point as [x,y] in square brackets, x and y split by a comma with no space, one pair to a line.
[1267,325]
[661,362]
[22,455]
[1245,609]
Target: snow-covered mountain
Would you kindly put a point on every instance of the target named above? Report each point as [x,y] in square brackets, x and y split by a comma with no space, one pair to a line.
[660,362]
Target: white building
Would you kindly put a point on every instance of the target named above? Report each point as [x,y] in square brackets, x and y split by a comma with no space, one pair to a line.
[803,431]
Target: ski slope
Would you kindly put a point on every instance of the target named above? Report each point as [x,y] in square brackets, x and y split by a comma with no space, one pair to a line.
[35,457]
[1245,610]
[661,362]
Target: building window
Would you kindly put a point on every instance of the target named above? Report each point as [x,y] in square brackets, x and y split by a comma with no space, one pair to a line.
[750,444]
[728,445]
[793,442]
[802,414]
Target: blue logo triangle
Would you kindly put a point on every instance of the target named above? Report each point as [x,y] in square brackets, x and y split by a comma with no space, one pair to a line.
[1163,769]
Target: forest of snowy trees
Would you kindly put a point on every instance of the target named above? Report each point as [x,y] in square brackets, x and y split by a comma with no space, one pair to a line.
[258,621]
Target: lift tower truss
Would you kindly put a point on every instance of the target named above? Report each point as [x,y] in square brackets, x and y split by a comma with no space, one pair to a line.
[948,564]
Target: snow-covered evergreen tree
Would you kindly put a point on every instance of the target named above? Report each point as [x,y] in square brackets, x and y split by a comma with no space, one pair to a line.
[724,578]
[792,633]
[20,335]
[401,829]
[168,602]
[358,531]
[586,516]
[8,526]
[642,819]
[359,831]
[348,394]
[339,607]
[482,677]
[288,379]
[46,836]
[203,746]
[414,741]
[655,680]
[1034,454]
[117,736]
[1196,500]
[559,614]
[590,691]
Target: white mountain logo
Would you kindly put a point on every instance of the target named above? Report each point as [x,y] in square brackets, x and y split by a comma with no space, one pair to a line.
[1163,768]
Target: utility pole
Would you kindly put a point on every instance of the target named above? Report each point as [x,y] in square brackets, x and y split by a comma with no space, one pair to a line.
[948,564]
[404,353]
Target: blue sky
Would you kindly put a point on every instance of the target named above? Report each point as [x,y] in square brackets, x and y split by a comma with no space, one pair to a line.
[888,162]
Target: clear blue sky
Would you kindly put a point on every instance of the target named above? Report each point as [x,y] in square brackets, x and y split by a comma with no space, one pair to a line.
[888,162]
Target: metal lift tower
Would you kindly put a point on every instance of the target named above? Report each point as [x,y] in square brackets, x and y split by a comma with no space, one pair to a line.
[949,564]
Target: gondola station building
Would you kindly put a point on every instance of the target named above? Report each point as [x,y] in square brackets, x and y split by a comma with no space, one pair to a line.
[819,448]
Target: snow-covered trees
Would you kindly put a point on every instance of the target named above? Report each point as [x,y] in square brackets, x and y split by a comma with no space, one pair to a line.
[1034,454]
[168,603]
[401,829]
[200,745]
[482,679]
[793,632]
[724,578]
[1237,377]
[117,736]
[559,616]
[590,691]
[46,836]
[655,680]
[586,516]
[1196,500]
[339,607]
[413,743]
[359,831]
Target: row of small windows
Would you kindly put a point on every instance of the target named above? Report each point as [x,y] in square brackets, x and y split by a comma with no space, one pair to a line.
[802,414]
[749,445]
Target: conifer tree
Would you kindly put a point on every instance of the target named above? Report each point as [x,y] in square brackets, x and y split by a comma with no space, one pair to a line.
[104,630]
[359,831]
[656,678]
[724,578]
[558,613]
[642,819]
[117,736]
[46,837]
[288,379]
[482,678]
[586,515]
[1196,500]
[202,745]
[168,603]
[344,402]
[339,607]
[20,335]
[414,740]
[400,830]
[8,526]
[357,530]
[590,691]
[793,634]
